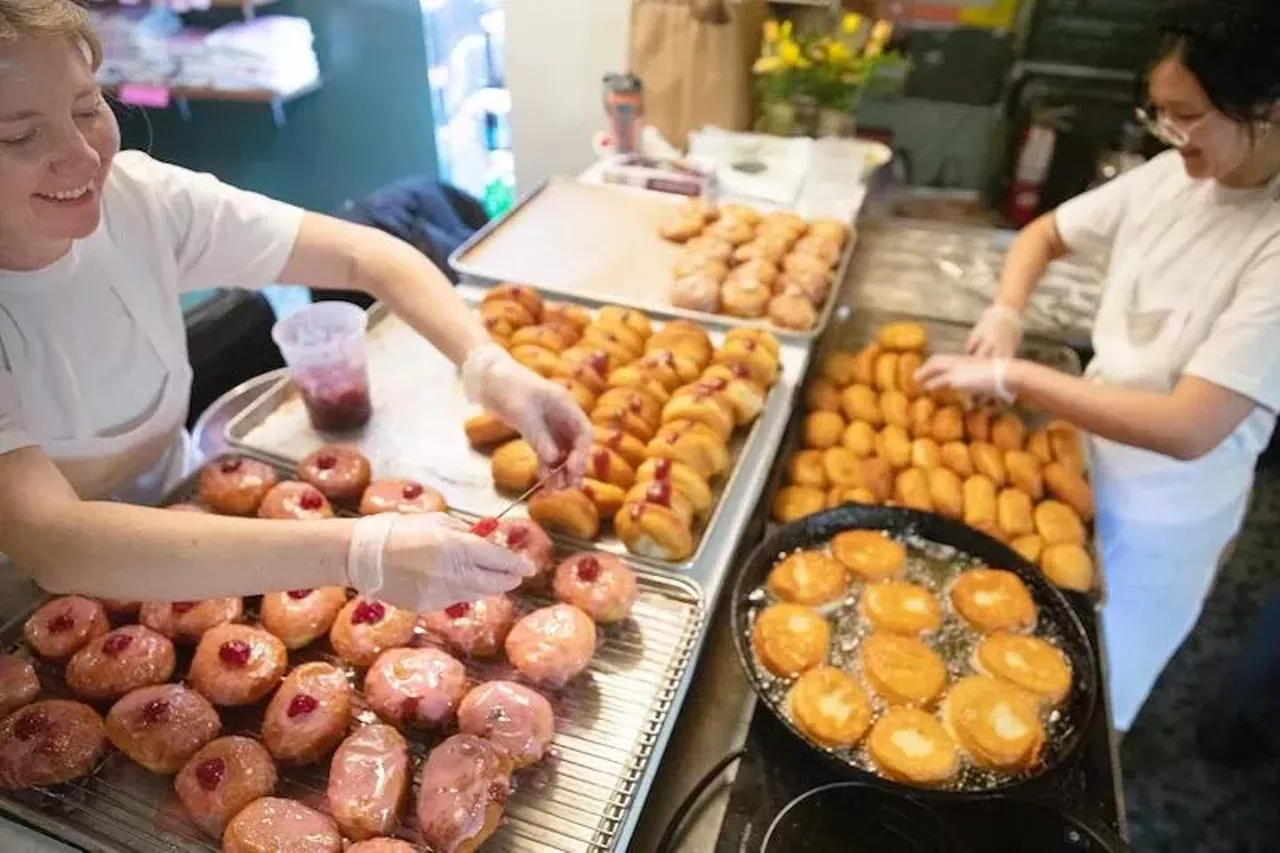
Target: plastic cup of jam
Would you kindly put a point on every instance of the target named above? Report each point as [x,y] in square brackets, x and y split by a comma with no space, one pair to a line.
[324,346]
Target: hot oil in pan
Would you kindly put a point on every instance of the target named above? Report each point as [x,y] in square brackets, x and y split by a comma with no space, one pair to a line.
[934,567]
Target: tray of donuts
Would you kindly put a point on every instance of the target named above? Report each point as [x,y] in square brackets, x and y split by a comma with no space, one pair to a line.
[869,435]
[672,404]
[910,651]
[314,719]
[776,268]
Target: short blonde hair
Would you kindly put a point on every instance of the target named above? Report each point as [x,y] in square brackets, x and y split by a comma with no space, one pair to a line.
[49,19]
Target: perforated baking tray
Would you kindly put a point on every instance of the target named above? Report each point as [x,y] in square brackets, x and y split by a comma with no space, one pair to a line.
[607,727]
[600,243]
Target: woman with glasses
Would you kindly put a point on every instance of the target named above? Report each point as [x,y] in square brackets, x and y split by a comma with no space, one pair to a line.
[1182,394]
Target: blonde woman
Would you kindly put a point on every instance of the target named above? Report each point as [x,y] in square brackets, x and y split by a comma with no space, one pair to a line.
[95,247]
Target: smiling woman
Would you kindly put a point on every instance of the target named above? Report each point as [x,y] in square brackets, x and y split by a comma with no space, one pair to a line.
[96,248]
[1183,391]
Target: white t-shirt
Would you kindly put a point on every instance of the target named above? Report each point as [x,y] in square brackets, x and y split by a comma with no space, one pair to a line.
[1193,288]
[93,361]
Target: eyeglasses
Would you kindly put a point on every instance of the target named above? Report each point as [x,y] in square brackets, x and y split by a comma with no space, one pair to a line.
[1159,125]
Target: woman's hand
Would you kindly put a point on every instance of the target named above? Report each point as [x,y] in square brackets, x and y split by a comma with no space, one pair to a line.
[544,413]
[996,334]
[982,377]
[428,562]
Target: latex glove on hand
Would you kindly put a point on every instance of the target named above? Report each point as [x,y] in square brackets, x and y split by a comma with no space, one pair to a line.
[997,333]
[546,415]
[981,377]
[428,562]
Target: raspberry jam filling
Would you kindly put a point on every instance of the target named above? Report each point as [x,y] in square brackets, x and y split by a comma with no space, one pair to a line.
[368,613]
[61,623]
[588,569]
[303,703]
[116,643]
[457,611]
[211,773]
[155,711]
[234,653]
[30,725]
[412,491]
[311,501]
[326,461]
[231,464]
[299,594]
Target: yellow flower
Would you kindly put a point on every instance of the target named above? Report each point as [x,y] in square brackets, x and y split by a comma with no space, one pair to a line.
[767,65]
[789,53]
[851,23]
[785,30]
[770,31]
[838,53]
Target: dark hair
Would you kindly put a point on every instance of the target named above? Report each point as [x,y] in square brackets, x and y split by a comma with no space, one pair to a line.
[1233,49]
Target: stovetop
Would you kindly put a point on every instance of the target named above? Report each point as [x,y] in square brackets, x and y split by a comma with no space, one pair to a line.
[776,770]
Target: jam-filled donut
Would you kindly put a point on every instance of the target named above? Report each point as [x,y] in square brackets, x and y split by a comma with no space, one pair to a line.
[407,497]
[690,485]
[309,714]
[597,583]
[514,466]
[524,296]
[524,537]
[870,554]
[608,466]
[553,645]
[276,825]
[694,445]
[19,684]
[655,529]
[419,688]
[49,742]
[902,670]
[162,726]
[299,617]
[703,403]
[829,706]
[369,779]
[125,659]
[463,791]
[664,494]
[294,501]
[516,720]
[64,625]
[474,629]
[900,607]
[789,639]
[743,395]
[569,511]
[993,600]
[235,485]
[340,473]
[808,577]
[996,723]
[223,777]
[909,745]
[1031,663]
[238,664]
[187,621]
[365,628]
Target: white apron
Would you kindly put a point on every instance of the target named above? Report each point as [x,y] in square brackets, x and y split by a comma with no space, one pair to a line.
[1159,568]
[138,463]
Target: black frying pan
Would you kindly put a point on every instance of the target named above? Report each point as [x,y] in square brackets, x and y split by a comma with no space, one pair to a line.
[816,530]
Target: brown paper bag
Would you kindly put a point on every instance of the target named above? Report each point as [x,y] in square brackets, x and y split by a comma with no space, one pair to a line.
[695,59]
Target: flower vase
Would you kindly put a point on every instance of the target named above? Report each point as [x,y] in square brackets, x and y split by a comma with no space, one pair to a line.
[778,118]
[834,123]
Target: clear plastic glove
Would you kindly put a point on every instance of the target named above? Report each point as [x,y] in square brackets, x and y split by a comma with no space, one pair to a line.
[981,377]
[997,333]
[546,415]
[428,562]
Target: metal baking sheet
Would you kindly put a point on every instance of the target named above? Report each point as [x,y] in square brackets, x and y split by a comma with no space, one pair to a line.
[600,243]
[416,430]
[853,330]
[950,272]
[608,724]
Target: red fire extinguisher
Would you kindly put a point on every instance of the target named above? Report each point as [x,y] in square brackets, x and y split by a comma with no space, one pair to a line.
[1032,167]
